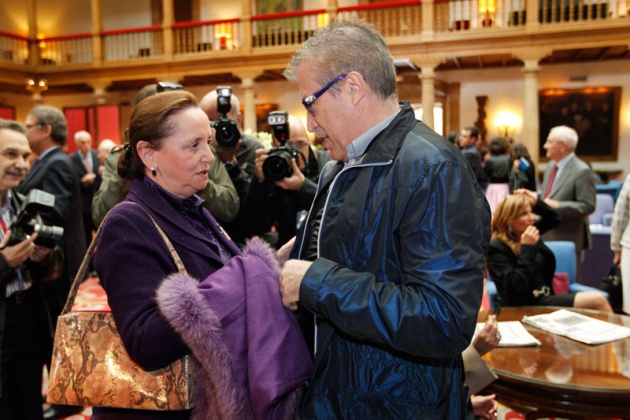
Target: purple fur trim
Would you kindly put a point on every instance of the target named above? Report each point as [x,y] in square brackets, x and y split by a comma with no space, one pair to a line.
[258,247]
[190,315]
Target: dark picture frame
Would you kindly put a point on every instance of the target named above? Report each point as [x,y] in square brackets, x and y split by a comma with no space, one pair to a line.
[592,112]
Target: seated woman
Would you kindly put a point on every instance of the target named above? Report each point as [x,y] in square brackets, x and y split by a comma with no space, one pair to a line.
[519,262]
[166,163]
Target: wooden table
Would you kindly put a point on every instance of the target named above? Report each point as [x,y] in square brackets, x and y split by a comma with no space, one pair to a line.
[562,377]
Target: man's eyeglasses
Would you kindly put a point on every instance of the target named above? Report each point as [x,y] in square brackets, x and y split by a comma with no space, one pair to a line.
[308,101]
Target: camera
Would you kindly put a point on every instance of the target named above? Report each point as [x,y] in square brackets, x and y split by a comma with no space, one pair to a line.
[278,163]
[227,132]
[27,220]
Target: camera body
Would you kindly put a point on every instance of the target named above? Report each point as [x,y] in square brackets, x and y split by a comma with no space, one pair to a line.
[27,221]
[278,163]
[227,132]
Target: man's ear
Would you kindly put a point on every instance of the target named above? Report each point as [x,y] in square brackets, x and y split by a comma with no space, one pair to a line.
[356,84]
[146,152]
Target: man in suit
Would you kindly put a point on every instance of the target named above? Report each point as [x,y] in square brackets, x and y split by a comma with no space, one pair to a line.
[568,187]
[468,144]
[88,167]
[54,172]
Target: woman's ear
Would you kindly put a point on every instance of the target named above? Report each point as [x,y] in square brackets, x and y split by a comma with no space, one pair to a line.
[146,152]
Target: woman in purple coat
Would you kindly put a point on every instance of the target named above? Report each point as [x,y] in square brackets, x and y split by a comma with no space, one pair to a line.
[166,163]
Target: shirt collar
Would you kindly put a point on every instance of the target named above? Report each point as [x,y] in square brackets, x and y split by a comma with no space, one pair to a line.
[357,148]
[48,151]
[563,162]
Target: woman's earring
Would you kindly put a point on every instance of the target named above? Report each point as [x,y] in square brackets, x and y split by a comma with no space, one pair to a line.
[153,171]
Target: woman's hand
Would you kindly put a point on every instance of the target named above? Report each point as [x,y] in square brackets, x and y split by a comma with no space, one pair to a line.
[485,406]
[488,338]
[531,236]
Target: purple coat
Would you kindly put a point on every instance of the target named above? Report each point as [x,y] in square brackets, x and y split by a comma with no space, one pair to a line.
[132,260]
[254,359]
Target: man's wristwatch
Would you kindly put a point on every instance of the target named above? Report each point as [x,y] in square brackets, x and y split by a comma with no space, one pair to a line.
[233,169]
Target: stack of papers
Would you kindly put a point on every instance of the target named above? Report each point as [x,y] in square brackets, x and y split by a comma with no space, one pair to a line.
[578,327]
[513,334]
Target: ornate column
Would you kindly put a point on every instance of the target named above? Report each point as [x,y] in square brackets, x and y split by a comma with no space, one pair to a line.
[427,77]
[531,116]
[428,30]
[246,26]
[249,98]
[97,42]
[33,47]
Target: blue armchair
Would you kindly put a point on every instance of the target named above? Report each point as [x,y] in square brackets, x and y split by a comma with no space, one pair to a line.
[564,251]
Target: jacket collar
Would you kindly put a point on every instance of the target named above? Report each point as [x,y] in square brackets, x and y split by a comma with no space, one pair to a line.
[181,233]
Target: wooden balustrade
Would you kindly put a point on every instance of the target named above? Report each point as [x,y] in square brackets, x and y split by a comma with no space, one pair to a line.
[393,19]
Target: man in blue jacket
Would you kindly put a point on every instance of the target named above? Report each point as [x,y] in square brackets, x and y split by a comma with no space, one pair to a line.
[391,255]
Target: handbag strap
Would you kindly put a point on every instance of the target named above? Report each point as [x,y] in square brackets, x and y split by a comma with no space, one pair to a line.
[80,276]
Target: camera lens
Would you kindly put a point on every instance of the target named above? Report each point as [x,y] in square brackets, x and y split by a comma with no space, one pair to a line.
[227,134]
[47,235]
[278,166]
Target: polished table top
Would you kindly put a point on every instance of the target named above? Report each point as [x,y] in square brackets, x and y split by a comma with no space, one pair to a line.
[562,376]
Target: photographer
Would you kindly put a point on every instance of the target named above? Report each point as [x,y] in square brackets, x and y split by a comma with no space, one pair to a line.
[235,150]
[25,328]
[278,203]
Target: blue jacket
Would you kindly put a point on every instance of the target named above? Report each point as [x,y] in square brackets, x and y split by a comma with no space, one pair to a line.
[398,281]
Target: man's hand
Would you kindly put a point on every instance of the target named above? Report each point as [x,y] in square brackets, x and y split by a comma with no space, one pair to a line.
[554,204]
[295,181]
[290,280]
[488,338]
[88,179]
[17,254]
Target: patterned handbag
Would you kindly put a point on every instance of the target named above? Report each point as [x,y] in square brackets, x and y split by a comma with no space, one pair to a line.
[91,367]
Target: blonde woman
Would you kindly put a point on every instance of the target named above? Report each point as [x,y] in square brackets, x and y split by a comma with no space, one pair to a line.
[520,263]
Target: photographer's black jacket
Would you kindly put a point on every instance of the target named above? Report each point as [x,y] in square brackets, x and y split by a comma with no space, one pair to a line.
[267,204]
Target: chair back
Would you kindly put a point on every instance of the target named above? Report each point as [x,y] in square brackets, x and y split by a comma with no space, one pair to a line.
[604,204]
[564,251]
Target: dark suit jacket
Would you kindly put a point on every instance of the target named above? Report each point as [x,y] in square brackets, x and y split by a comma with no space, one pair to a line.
[87,191]
[575,189]
[473,157]
[56,174]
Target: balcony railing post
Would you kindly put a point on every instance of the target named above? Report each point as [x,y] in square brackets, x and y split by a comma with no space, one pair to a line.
[533,11]
[167,29]
[97,41]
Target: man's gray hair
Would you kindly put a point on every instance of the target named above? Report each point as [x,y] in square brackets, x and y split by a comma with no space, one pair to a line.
[12,125]
[566,135]
[48,115]
[344,45]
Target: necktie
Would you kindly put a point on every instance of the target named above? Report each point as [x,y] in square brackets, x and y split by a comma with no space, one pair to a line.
[86,162]
[552,177]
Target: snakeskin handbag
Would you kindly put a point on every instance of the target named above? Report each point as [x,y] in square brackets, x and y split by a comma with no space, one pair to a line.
[91,367]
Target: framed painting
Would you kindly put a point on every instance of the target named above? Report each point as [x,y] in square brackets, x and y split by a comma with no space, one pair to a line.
[592,112]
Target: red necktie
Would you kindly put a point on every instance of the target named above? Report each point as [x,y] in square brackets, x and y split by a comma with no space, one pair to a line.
[552,177]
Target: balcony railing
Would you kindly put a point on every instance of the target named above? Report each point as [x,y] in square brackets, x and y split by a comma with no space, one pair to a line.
[393,19]
[207,36]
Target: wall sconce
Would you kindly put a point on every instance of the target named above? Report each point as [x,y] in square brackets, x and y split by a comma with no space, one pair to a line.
[507,123]
[487,8]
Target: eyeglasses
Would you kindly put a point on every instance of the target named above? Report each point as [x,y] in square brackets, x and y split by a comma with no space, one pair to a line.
[308,101]
[29,126]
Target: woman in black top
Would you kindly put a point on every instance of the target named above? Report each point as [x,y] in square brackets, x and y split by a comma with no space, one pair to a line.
[520,264]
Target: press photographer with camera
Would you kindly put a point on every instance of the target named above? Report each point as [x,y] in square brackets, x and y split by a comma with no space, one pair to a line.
[286,180]
[235,150]
[25,329]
